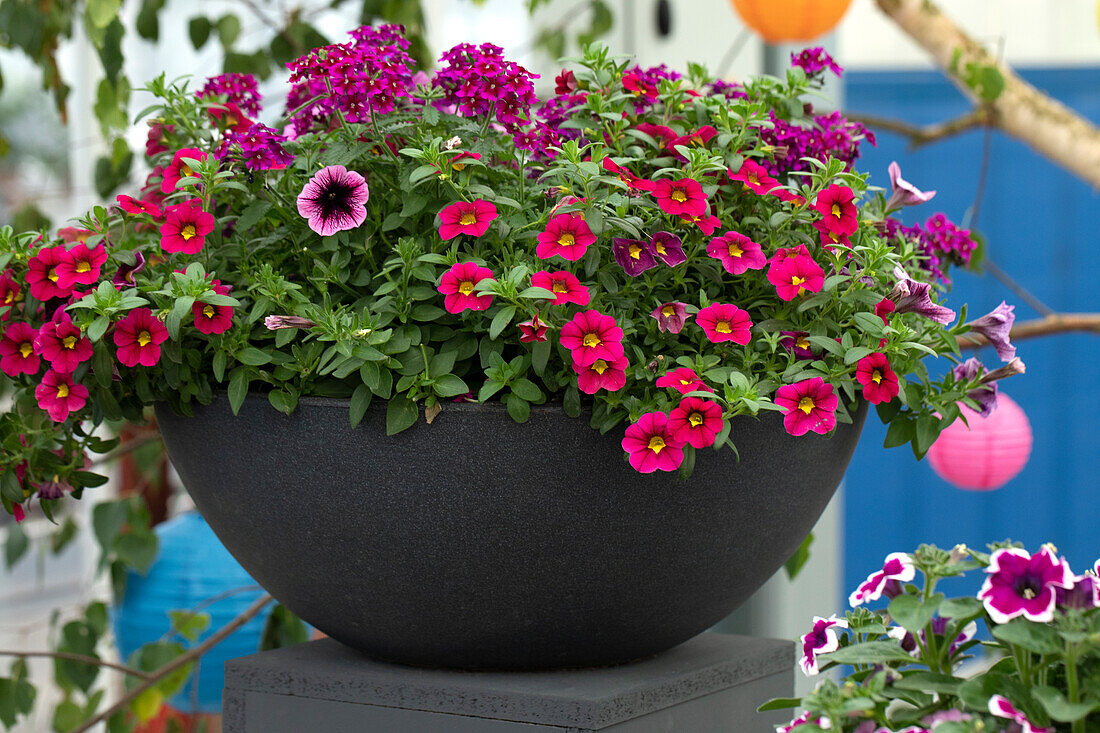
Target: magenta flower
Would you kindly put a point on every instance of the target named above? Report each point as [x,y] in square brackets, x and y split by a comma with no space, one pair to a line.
[696,422]
[10,294]
[835,204]
[794,276]
[668,248]
[18,512]
[810,404]
[1020,584]
[829,238]
[806,718]
[124,275]
[466,217]
[533,330]
[682,197]
[636,85]
[609,374]
[458,287]
[566,235]
[652,445]
[904,192]
[43,278]
[1002,708]
[81,267]
[706,223]
[212,319]
[185,228]
[683,380]
[62,344]
[910,296]
[634,184]
[138,337]
[898,568]
[815,61]
[633,255]
[671,317]
[878,380]
[737,253]
[754,177]
[821,639]
[995,326]
[590,336]
[564,285]
[59,396]
[178,169]
[334,200]
[17,354]
[798,343]
[724,322]
[663,134]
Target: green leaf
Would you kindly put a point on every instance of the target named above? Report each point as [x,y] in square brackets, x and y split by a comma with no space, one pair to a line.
[526,389]
[501,320]
[252,214]
[798,559]
[929,682]
[870,652]
[780,703]
[518,408]
[238,389]
[199,29]
[107,520]
[449,385]
[252,356]
[67,716]
[360,401]
[102,12]
[189,624]
[137,549]
[281,629]
[540,354]
[401,414]
[571,403]
[960,608]
[912,613]
[1058,707]
[229,27]
[900,432]
[16,544]
[282,400]
[1034,637]
[146,705]
[856,353]
[928,429]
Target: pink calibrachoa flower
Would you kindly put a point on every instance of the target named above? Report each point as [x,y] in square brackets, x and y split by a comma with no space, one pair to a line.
[17,355]
[683,380]
[634,184]
[810,404]
[212,319]
[564,285]
[878,380]
[724,322]
[334,200]
[609,374]
[43,279]
[590,336]
[466,217]
[10,293]
[639,87]
[696,422]
[996,326]
[821,639]
[754,177]
[652,445]
[1021,584]
[138,337]
[897,568]
[829,238]
[533,330]
[73,234]
[1000,706]
[796,275]
[59,396]
[785,253]
[178,169]
[706,223]
[62,344]
[682,197]
[633,255]
[668,248]
[904,192]
[663,134]
[136,206]
[737,253]
[186,227]
[566,235]
[457,286]
[836,205]
[671,317]
[82,266]
[18,512]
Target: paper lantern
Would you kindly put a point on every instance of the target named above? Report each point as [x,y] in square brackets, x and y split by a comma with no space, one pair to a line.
[989,453]
[791,21]
[192,566]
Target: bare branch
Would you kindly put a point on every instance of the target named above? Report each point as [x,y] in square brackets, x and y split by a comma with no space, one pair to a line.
[1053,324]
[77,658]
[920,135]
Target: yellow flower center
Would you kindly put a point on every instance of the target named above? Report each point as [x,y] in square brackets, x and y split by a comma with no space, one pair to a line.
[144,338]
[69,342]
[656,443]
[591,340]
[188,231]
[679,195]
[723,327]
[798,281]
[635,252]
[185,171]
[668,311]
[62,391]
[751,178]
[599,366]
[806,404]
[695,419]
[467,219]
[26,349]
[458,167]
[9,297]
[559,287]
[1028,593]
[836,210]
[52,275]
[735,250]
[660,248]
[876,376]
[802,342]
[208,311]
[466,287]
[83,266]
[567,239]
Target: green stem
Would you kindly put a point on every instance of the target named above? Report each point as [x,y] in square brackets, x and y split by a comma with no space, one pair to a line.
[1071,684]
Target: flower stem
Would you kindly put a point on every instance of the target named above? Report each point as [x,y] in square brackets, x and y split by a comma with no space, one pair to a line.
[1072,690]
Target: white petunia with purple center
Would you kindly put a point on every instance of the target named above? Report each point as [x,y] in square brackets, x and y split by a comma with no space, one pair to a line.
[334,200]
[1021,584]
[821,639]
[898,567]
[1002,708]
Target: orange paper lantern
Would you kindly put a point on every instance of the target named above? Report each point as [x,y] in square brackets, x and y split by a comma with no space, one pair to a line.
[791,21]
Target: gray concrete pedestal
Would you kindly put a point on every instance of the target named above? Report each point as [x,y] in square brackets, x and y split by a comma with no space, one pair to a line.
[711,684]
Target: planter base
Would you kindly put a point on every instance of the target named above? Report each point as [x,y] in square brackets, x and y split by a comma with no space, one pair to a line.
[712,683]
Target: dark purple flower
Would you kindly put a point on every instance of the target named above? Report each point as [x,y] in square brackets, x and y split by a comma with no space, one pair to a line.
[259,148]
[668,248]
[1002,708]
[897,566]
[939,627]
[995,326]
[985,395]
[1021,584]
[798,343]
[125,273]
[633,255]
[904,192]
[670,317]
[334,200]
[1084,594]
[821,639]
[911,296]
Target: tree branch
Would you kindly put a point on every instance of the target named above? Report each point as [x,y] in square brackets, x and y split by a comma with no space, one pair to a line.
[180,661]
[1052,324]
[1019,109]
[77,658]
[920,135]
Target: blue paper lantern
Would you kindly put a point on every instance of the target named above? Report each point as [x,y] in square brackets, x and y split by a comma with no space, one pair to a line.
[192,566]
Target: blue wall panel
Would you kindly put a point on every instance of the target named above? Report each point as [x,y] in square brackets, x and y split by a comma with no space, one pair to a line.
[1043,228]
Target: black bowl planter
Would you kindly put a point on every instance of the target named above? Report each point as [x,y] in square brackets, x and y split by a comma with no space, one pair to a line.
[480,543]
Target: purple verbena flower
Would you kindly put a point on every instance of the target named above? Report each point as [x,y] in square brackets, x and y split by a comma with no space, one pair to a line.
[898,566]
[259,148]
[904,192]
[995,327]
[1002,708]
[815,61]
[238,89]
[334,200]
[478,82]
[1021,584]
[821,639]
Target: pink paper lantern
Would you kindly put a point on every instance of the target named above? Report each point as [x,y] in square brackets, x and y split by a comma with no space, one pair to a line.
[989,453]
